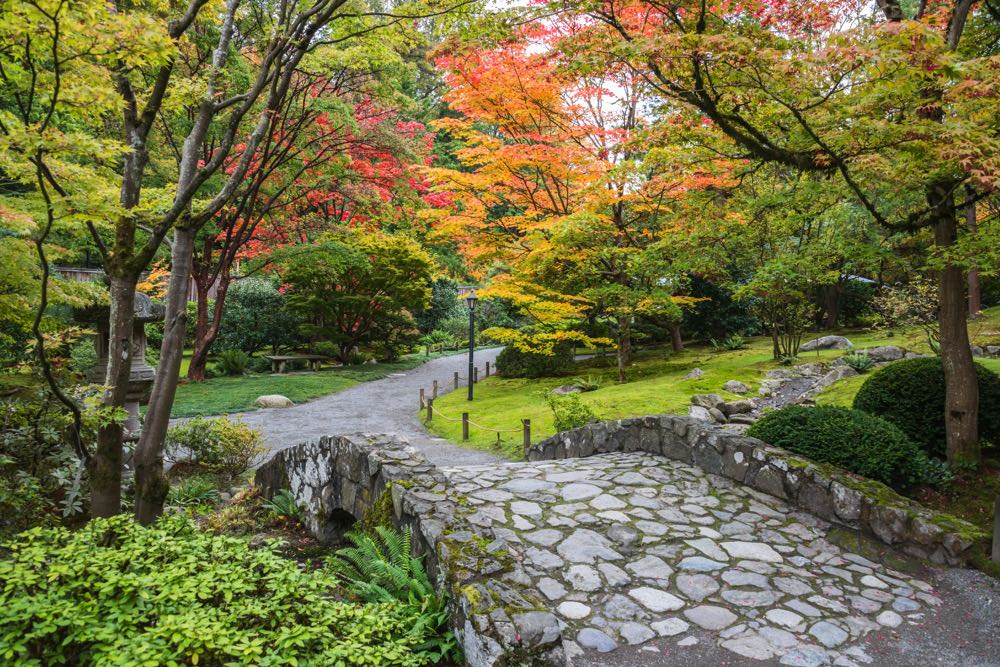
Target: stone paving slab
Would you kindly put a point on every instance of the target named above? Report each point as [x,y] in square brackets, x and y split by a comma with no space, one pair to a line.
[633,548]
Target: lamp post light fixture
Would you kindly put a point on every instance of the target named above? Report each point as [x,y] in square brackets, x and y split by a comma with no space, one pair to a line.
[471,301]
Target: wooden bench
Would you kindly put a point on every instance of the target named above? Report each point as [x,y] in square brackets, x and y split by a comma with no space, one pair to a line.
[278,362]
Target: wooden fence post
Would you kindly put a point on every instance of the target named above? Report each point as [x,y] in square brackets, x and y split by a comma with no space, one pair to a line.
[430,409]
[421,397]
[427,350]
[475,375]
[456,379]
[526,423]
[487,369]
[434,389]
[465,426]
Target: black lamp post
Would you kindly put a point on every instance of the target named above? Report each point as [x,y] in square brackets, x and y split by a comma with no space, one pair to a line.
[471,301]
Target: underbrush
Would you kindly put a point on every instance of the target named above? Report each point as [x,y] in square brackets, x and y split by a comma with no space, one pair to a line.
[115,592]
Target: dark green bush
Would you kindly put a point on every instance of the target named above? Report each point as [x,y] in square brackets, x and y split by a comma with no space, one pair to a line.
[569,412]
[117,593]
[910,394]
[232,362]
[851,439]
[515,363]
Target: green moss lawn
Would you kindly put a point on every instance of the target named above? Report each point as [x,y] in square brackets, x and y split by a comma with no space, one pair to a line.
[656,385]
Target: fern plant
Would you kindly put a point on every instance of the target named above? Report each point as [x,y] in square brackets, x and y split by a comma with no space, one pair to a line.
[380,569]
[283,505]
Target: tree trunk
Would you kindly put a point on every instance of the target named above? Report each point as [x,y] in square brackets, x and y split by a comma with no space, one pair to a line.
[832,297]
[150,484]
[206,332]
[105,469]
[975,290]
[676,342]
[624,346]
[961,416]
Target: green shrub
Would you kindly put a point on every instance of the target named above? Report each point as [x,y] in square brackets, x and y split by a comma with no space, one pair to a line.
[229,447]
[859,361]
[851,439]
[232,362]
[569,412]
[116,593]
[589,383]
[283,505]
[193,491]
[259,365]
[379,568]
[910,394]
[515,363]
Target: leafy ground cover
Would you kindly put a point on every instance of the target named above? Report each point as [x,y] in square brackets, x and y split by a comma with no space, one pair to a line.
[224,395]
[656,385]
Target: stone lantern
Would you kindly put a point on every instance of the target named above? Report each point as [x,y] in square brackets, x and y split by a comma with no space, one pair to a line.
[140,378]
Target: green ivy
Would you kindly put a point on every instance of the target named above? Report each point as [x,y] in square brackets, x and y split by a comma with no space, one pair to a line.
[115,593]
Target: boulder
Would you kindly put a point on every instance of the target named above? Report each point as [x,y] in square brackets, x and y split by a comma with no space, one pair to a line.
[993,350]
[977,351]
[742,419]
[564,389]
[273,401]
[731,408]
[718,415]
[735,387]
[827,343]
[836,374]
[707,401]
[701,414]
[694,374]
[885,353]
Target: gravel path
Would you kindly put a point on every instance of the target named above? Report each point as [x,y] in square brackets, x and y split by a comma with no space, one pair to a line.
[389,405]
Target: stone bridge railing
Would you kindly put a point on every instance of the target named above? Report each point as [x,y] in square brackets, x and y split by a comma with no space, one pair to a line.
[824,490]
[498,618]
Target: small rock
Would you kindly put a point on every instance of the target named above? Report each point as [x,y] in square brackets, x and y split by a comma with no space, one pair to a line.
[700,564]
[754,647]
[701,414]
[595,639]
[688,641]
[695,374]
[890,619]
[752,551]
[656,600]
[670,627]
[273,401]
[635,633]
[733,408]
[707,401]
[717,415]
[827,343]
[828,634]
[696,587]
[885,353]
[735,387]
[573,610]
[905,605]
[710,617]
[783,617]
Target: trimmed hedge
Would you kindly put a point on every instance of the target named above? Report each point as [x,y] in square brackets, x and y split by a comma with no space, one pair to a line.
[515,363]
[910,394]
[852,439]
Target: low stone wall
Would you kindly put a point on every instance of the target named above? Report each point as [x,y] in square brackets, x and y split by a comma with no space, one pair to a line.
[496,617]
[826,491]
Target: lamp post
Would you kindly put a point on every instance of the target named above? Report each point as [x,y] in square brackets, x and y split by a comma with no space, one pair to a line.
[471,301]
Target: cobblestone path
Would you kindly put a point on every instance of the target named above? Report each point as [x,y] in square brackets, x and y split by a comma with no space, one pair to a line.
[634,550]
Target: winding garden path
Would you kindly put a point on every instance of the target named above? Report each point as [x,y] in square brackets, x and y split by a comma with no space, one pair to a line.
[389,405]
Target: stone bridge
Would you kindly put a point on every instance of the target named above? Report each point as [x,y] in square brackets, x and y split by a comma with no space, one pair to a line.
[641,534]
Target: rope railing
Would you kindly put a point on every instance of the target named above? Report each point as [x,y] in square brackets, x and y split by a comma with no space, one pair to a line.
[427,403]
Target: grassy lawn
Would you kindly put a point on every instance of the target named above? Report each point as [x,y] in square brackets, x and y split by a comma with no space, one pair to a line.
[656,385]
[236,394]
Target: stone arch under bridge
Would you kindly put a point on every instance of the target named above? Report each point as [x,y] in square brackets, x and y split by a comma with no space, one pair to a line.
[628,518]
